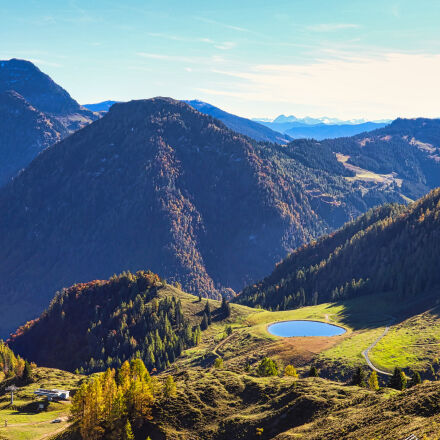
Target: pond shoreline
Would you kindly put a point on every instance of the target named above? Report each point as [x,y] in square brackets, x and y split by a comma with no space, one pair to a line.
[345,330]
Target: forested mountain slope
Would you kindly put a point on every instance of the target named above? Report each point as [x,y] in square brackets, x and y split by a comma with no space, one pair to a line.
[391,248]
[98,325]
[407,150]
[35,112]
[156,184]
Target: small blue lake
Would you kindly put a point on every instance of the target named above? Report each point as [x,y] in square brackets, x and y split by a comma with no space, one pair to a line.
[289,329]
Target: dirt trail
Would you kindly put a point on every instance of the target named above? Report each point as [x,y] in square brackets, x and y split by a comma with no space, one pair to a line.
[220,344]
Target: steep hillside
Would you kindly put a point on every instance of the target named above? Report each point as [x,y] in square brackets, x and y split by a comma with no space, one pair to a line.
[25,132]
[244,126]
[100,324]
[391,249]
[157,184]
[34,114]
[42,93]
[407,150]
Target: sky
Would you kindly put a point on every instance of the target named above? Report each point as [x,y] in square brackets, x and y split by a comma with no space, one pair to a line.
[368,59]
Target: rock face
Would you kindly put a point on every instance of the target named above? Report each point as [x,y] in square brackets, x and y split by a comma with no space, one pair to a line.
[155,184]
[35,112]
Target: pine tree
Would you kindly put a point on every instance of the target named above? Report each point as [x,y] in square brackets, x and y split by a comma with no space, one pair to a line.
[397,380]
[170,389]
[415,379]
[208,312]
[359,377]
[225,309]
[313,372]
[204,324]
[218,363]
[373,382]
[27,376]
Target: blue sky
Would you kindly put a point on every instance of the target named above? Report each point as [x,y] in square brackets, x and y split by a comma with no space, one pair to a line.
[342,58]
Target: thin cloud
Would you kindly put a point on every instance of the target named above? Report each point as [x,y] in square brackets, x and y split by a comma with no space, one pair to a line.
[331,27]
[394,84]
[225,25]
[159,56]
[227,45]
[180,38]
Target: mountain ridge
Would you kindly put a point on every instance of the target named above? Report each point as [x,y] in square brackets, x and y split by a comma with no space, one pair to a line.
[155,183]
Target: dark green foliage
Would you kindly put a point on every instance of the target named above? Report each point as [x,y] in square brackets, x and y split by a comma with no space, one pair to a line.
[415,379]
[27,376]
[204,324]
[267,367]
[207,312]
[359,377]
[397,380]
[99,325]
[389,249]
[398,148]
[313,372]
[225,309]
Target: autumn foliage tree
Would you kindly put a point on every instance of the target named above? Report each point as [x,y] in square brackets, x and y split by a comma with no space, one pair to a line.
[111,403]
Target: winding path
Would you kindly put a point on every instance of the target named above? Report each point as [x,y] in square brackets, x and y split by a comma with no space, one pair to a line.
[366,351]
[220,344]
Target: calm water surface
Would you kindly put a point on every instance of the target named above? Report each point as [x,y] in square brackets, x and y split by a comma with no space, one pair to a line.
[304,328]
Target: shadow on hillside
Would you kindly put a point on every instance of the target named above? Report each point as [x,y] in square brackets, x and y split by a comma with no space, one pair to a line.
[372,311]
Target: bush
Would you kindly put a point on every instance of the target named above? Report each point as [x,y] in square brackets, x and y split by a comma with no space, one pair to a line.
[267,367]
[290,370]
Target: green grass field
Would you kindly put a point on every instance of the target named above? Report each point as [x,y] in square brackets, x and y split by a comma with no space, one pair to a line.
[24,420]
[413,343]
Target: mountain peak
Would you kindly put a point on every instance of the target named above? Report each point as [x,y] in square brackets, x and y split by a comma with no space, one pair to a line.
[37,88]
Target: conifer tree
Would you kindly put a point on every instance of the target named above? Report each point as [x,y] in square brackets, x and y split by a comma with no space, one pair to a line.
[313,372]
[204,324]
[415,379]
[373,382]
[208,312]
[359,377]
[27,376]
[170,389]
[397,380]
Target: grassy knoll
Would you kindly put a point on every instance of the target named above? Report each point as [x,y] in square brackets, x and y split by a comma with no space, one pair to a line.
[413,343]
[24,420]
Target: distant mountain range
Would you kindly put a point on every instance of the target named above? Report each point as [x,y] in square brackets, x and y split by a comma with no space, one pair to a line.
[103,106]
[34,113]
[283,119]
[241,125]
[157,184]
[319,129]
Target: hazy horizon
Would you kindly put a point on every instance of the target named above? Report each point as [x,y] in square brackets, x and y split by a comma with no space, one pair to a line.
[347,60]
